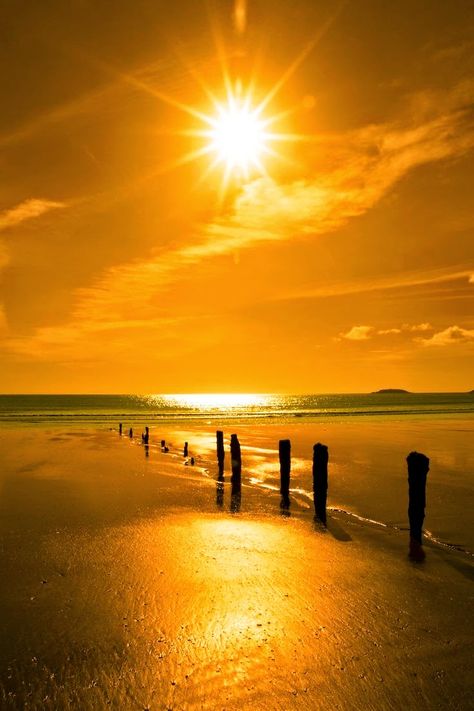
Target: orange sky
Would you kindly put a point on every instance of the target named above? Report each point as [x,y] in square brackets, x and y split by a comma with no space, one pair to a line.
[347,266]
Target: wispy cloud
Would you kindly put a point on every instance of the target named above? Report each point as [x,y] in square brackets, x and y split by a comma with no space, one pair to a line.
[403,280]
[363,333]
[358,333]
[359,168]
[417,327]
[27,210]
[452,335]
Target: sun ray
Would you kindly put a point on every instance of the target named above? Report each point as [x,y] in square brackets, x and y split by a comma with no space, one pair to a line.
[288,73]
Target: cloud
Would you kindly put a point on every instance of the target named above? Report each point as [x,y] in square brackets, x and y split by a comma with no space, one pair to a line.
[451,335]
[27,210]
[358,333]
[363,333]
[355,171]
[418,327]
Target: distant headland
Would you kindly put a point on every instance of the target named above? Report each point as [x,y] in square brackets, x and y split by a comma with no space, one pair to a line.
[390,390]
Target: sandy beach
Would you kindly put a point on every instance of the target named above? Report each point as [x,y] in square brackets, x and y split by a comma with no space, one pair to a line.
[134,582]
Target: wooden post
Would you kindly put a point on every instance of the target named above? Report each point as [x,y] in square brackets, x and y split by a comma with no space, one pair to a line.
[220,450]
[120,428]
[185,450]
[320,480]
[236,459]
[130,433]
[284,449]
[418,468]
[163,443]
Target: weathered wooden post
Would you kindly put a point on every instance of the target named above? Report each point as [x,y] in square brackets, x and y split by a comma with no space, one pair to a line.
[284,450]
[130,433]
[320,480]
[220,450]
[236,460]
[146,436]
[185,450]
[120,428]
[163,443]
[418,468]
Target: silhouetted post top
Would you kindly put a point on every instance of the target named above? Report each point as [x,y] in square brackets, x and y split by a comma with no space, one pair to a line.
[320,451]
[418,464]
[185,450]
[120,428]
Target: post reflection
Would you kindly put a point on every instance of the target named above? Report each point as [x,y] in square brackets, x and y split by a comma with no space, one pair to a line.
[235,497]
[220,491]
[285,506]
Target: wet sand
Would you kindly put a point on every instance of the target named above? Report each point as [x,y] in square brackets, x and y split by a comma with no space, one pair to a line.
[134,582]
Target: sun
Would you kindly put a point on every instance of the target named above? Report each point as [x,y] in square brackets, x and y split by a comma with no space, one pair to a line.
[238,137]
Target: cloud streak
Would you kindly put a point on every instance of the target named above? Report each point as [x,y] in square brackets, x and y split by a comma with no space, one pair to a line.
[360,167]
[27,210]
[453,335]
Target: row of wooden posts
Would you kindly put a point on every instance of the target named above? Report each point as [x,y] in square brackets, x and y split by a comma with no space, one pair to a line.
[418,467]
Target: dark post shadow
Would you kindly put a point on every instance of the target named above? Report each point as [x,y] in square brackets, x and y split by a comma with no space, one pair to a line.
[337,531]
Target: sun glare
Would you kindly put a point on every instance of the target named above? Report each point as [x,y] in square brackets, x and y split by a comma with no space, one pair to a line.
[238,136]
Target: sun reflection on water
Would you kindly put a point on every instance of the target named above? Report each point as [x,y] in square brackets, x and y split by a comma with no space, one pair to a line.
[217,401]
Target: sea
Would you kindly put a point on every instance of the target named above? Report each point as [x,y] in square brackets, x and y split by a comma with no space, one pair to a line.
[102,409]
[369,436]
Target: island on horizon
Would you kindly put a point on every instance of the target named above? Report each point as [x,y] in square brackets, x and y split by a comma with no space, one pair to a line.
[390,390]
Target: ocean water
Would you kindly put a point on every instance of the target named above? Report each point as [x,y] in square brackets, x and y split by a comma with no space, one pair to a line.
[97,409]
[368,435]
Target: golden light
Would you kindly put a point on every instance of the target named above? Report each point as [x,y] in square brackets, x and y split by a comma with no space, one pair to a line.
[217,401]
[238,136]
